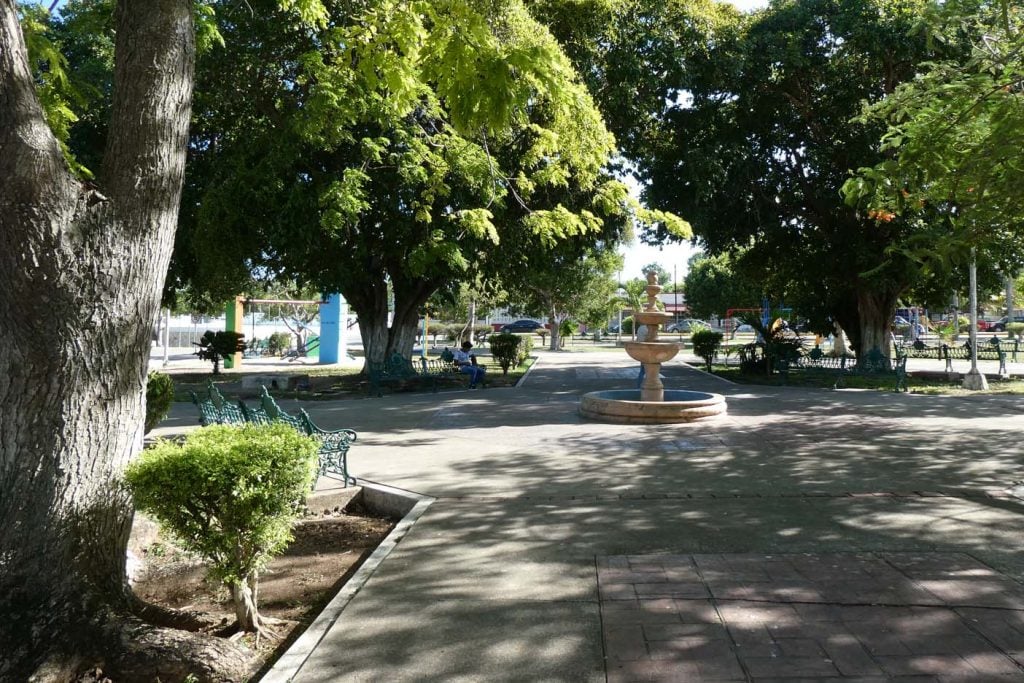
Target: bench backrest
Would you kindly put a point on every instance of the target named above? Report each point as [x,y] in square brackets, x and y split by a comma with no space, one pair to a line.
[214,409]
[397,364]
[874,361]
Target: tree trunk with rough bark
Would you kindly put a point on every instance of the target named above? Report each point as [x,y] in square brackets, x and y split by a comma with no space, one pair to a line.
[371,306]
[81,271]
[875,311]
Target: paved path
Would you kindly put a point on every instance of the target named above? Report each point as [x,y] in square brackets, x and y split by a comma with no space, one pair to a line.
[808,533]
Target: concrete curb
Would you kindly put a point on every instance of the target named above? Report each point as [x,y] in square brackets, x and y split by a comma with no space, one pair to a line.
[383,500]
[704,372]
[522,380]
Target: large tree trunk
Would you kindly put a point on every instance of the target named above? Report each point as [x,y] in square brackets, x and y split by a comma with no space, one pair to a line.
[875,312]
[410,296]
[555,330]
[81,270]
[371,306]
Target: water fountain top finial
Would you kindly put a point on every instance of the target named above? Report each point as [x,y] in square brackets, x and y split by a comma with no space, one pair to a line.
[652,289]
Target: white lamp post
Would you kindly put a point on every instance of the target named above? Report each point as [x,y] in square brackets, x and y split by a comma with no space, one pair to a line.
[620,292]
[974,379]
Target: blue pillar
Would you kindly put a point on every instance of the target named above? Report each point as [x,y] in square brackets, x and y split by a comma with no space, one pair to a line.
[330,329]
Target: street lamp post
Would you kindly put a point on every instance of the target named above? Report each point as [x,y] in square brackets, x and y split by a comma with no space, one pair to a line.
[974,379]
[675,288]
[620,292]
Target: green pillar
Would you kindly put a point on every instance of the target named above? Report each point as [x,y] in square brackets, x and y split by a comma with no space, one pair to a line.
[234,314]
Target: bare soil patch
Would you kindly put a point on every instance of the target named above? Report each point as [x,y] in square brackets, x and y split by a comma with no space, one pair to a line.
[327,549]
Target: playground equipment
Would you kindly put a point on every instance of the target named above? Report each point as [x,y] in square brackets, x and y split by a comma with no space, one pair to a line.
[332,342]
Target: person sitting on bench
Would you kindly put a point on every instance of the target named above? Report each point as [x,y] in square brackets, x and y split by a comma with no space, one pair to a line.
[467,364]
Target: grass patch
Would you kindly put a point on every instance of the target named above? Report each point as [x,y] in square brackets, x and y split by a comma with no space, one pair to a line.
[325,383]
[916,385]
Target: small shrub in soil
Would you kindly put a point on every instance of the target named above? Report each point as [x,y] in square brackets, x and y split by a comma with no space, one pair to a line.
[505,350]
[229,493]
[706,344]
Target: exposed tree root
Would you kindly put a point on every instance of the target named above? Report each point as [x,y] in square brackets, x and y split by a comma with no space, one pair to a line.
[185,620]
[143,652]
[126,648]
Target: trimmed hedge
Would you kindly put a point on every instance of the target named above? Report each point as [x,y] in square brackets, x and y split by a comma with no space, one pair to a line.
[706,343]
[229,493]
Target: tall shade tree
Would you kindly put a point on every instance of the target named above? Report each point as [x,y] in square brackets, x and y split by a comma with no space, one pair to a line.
[955,142]
[82,266]
[716,284]
[386,205]
[569,283]
[743,125]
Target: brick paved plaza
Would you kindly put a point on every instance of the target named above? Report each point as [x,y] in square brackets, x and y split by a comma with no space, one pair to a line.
[863,616]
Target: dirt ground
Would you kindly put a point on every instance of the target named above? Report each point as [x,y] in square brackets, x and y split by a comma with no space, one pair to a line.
[327,550]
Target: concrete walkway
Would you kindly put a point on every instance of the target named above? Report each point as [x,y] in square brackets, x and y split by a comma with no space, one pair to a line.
[807,534]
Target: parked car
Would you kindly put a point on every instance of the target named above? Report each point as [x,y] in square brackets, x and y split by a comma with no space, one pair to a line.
[522,326]
[1000,325]
[687,325]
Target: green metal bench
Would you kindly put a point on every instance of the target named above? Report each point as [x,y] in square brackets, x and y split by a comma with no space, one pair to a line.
[441,368]
[399,370]
[334,444]
[873,364]
[214,409]
[395,369]
[993,350]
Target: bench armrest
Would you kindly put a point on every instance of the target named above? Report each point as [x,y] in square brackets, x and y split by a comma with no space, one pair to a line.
[315,430]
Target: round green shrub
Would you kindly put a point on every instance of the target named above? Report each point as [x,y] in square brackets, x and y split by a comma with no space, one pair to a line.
[229,493]
[159,397]
[525,348]
[706,343]
[505,349]
[278,343]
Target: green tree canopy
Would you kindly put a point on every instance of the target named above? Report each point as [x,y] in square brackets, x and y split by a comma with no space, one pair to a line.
[742,123]
[664,277]
[716,283]
[573,281]
[955,143]
[404,173]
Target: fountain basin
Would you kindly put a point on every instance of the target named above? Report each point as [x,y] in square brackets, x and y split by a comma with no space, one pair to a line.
[652,317]
[623,406]
[652,352]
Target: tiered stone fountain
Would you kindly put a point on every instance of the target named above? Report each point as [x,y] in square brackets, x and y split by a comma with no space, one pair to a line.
[651,404]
